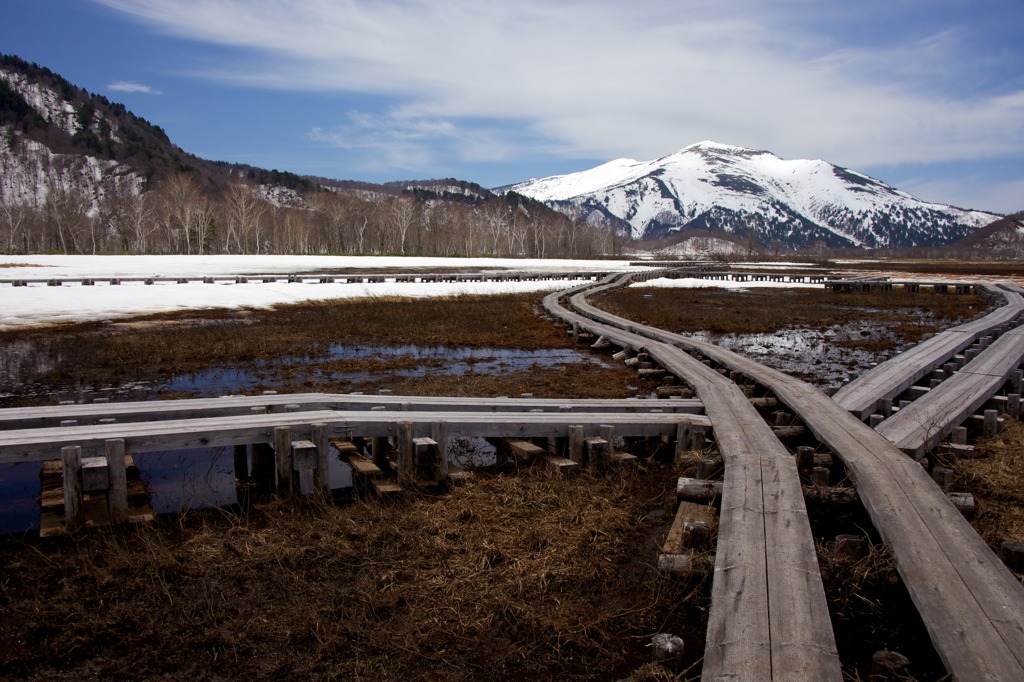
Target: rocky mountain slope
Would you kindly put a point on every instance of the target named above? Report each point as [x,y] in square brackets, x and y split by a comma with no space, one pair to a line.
[754,195]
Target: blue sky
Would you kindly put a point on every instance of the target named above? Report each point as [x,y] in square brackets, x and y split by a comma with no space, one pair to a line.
[927,95]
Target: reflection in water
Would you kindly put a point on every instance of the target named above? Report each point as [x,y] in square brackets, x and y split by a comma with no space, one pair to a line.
[416,361]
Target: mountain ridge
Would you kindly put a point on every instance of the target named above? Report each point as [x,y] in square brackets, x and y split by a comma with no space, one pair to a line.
[756,194]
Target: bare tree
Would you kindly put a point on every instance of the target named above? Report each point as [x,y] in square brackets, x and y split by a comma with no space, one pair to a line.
[243,212]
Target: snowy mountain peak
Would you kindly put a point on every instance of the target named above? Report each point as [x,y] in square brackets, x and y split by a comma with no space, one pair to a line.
[753,194]
[711,147]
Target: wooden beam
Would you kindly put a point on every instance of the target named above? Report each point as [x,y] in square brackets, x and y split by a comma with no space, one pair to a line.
[71,460]
[117,493]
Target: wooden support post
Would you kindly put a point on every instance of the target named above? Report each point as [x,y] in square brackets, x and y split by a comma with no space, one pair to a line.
[885,407]
[283,460]
[874,420]
[607,431]
[959,436]
[991,423]
[697,438]
[406,453]
[805,460]
[379,452]
[964,502]
[696,535]
[667,651]
[943,476]
[598,452]
[849,547]
[682,440]
[1017,380]
[117,493]
[95,475]
[1012,554]
[706,468]
[695,490]
[71,461]
[240,454]
[819,477]
[439,432]
[887,666]
[425,458]
[1013,405]
[304,461]
[576,444]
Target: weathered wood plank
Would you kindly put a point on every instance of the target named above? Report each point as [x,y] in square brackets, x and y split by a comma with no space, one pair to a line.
[151,410]
[918,427]
[37,444]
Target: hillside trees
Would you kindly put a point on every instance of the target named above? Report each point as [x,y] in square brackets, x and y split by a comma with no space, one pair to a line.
[178,215]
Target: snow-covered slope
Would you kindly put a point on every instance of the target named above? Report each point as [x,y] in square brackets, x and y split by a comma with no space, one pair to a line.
[795,203]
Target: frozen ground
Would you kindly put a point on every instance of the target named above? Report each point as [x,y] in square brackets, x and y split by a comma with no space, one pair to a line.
[40,304]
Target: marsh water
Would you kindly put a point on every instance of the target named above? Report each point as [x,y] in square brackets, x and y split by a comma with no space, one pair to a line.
[185,479]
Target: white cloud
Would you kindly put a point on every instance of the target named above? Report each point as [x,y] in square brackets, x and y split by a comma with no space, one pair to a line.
[128,86]
[602,78]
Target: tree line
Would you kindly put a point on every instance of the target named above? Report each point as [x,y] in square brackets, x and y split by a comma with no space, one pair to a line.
[182,215]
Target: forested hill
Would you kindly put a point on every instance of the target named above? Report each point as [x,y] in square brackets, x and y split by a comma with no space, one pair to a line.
[82,174]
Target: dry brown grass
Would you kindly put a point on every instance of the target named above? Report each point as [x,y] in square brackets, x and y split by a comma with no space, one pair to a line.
[766,310]
[507,576]
[996,479]
[156,348]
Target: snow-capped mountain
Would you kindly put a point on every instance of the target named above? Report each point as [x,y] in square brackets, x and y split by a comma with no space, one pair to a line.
[752,193]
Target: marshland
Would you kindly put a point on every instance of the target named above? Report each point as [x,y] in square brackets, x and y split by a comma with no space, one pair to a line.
[516,572]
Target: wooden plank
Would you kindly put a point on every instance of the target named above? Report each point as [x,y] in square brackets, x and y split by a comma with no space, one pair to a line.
[918,427]
[38,444]
[151,410]
[386,488]
[363,467]
[563,465]
[686,512]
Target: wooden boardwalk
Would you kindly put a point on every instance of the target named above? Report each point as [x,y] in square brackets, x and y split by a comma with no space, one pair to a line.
[153,410]
[42,443]
[894,376]
[918,427]
[971,605]
[311,278]
[769,618]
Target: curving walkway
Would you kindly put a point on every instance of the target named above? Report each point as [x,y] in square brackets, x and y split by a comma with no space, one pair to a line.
[769,618]
[972,606]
